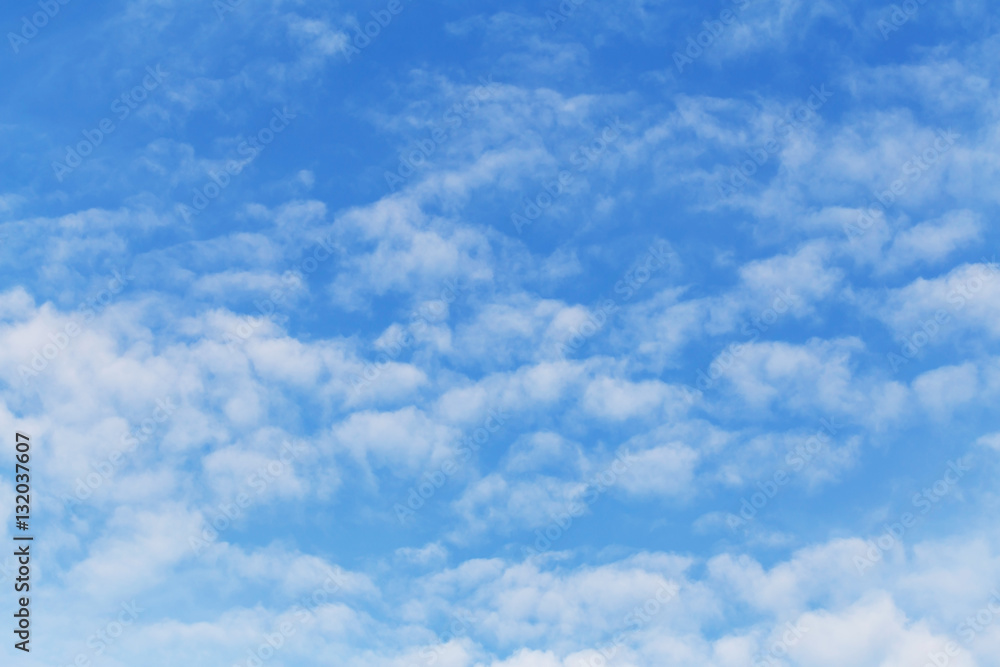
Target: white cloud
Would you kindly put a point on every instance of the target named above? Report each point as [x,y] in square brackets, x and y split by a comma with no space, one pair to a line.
[932,241]
[403,440]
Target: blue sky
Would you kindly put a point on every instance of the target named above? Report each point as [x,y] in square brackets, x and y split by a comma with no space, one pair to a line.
[506,335]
